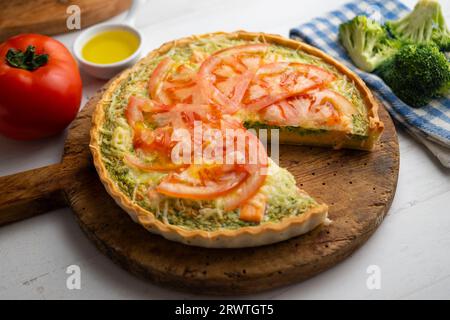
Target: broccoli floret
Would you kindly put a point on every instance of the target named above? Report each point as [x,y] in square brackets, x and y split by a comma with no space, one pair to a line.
[417,73]
[425,23]
[367,42]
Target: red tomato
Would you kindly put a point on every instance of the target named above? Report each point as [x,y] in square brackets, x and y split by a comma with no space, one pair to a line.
[201,183]
[40,91]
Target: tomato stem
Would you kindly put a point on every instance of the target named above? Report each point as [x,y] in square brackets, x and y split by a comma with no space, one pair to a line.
[27,60]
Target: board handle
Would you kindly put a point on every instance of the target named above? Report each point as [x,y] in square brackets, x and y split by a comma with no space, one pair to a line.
[29,193]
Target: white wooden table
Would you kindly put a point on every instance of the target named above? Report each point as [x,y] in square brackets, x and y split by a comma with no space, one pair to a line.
[411,247]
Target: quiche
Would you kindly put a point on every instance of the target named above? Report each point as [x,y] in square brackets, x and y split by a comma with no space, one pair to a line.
[175,138]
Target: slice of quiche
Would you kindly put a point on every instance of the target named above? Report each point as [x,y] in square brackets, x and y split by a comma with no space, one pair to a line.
[170,140]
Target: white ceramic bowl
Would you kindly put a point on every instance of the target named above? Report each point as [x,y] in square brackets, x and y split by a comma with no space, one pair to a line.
[105,71]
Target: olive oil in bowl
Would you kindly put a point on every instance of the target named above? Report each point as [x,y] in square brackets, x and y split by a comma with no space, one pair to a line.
[110,46]
[104,50]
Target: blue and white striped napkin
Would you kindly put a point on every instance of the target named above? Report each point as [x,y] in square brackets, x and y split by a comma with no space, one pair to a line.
[429,124]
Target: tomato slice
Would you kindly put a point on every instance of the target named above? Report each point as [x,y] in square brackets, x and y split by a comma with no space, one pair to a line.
[236,182]
[184,115]
[225,76]
[157,78]
[144,138]
[253,210]
[201,182]
[133,112]
[281,80]
[245,191]
[153,140]
[257,175]
[333,100]
[171,84]
[323,108]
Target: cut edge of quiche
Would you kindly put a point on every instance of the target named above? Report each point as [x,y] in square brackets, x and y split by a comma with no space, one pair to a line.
[253,235]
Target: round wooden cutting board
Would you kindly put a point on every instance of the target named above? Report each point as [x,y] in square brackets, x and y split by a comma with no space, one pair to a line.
[358,186]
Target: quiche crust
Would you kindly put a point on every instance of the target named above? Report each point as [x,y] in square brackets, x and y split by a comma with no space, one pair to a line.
[266,233]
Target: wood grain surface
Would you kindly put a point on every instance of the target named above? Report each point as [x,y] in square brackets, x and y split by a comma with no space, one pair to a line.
[49,16]
[358,186]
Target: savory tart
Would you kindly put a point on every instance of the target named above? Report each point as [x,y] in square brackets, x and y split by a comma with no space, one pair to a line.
[169,178]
